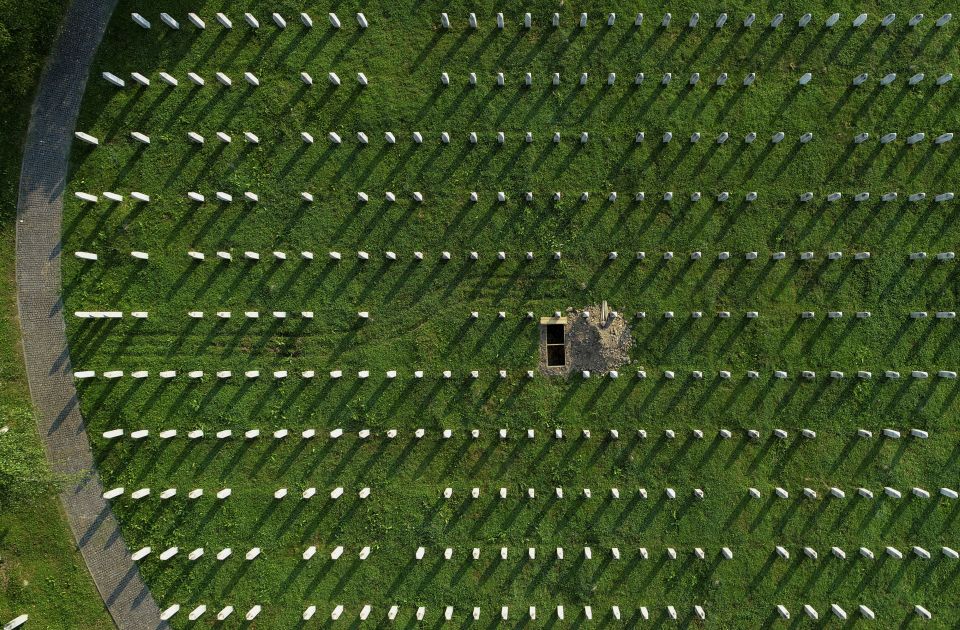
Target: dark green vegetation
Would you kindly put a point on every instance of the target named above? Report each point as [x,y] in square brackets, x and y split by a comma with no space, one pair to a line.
[420,310]
[41,573]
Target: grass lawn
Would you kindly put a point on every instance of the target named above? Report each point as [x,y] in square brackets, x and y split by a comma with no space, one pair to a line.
[420,310]
[41,573]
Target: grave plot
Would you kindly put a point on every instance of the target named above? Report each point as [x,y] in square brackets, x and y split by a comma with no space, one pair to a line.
[520,316]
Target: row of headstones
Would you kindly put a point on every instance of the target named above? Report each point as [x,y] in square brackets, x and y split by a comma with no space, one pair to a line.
[503,434]
[531,493]
[365,315]
[421,612]
[556,196]
[887,196]
[699,494]
[337,552]
[698,552]
[474,255]
[227,552]
[501,137]
[756,314]
[671,611]
[445,138]
[670,552]
[584,137]
[639,78]
[751,255]
[334,79]
[840,613]
[694,20]
[813,314]
[503,374]
[143,138]
[808,375]
[249,18]
[474,315]
[196,554]
[363,22]
[473,22]
[196,314]
[584,77]
[256,314]
[887,138]
[224,494]
[170,611]
[668,196]
[893,552]
[667,78]
[835,492]
[277,374]
[890,77]
[448,612]
[223,197]
[504,612]
[141,79]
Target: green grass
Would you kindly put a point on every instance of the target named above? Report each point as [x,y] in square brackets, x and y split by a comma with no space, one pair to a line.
[41,573]
[420,310]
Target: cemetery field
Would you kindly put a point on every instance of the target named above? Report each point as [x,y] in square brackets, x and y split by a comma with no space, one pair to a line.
[339,338]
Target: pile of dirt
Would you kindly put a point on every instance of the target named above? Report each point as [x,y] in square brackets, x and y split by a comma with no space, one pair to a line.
[595,345]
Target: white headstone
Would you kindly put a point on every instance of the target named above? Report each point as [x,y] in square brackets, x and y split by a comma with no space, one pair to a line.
[167,19]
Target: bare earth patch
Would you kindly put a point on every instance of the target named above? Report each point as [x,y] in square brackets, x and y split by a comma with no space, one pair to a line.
[594,344]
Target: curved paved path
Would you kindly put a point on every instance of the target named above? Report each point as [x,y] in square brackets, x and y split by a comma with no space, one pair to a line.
[49,372]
